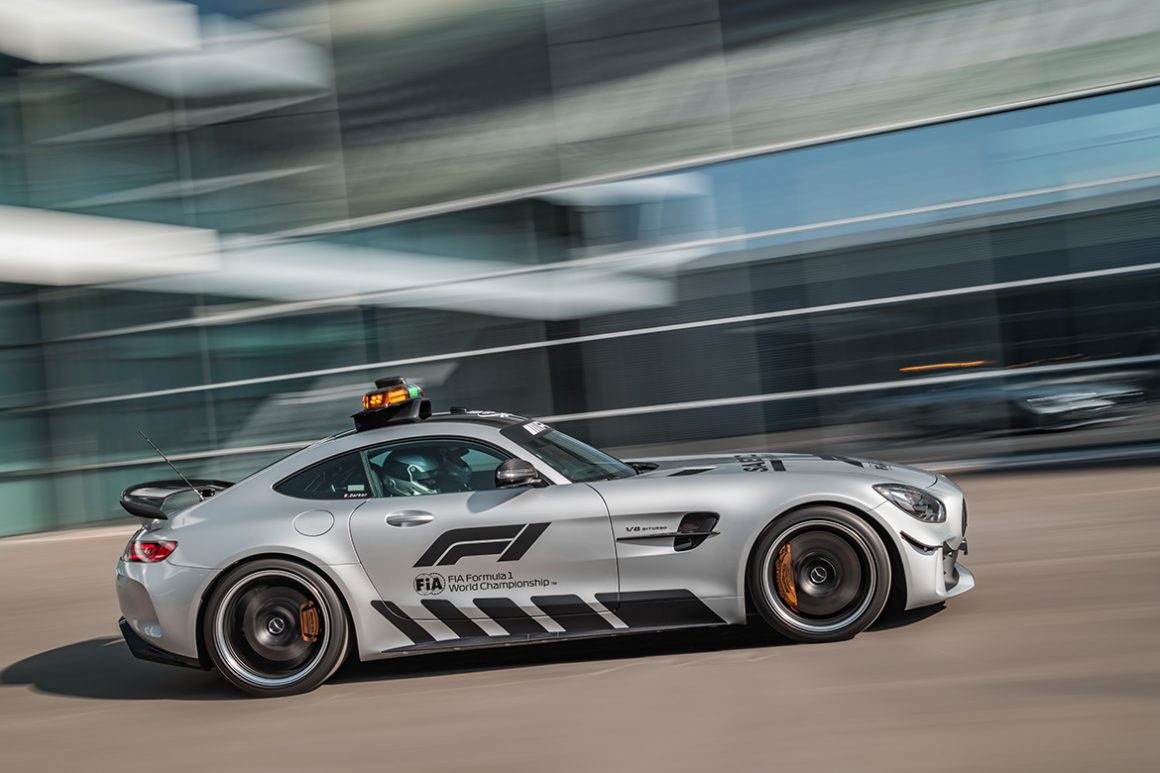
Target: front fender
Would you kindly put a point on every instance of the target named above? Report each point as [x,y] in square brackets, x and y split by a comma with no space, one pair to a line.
[746,503]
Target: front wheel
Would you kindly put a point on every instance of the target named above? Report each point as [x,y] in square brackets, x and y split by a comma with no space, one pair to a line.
[275,627]
[820,574]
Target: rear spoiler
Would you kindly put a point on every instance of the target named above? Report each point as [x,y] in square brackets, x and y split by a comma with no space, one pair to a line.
[147,500]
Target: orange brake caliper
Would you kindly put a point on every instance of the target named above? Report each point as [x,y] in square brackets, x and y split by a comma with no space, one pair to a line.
[308,621]
[784,577]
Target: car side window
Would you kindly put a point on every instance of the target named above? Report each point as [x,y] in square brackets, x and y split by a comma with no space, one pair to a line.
[342,477]
[434,466]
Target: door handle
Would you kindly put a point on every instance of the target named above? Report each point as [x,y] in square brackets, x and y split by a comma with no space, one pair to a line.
[409,518]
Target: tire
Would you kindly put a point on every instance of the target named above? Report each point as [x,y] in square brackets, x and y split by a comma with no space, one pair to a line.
[820,574]
[275,627]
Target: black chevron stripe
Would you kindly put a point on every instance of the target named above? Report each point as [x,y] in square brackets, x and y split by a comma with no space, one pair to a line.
[508,614]
[451,616]
[659,609]
[403,622]
[572,613]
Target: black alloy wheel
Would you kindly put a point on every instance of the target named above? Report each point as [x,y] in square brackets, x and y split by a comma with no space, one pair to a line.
[819,574]
[275,627]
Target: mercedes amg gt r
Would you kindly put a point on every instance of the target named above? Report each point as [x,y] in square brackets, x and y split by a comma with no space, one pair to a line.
[416,532]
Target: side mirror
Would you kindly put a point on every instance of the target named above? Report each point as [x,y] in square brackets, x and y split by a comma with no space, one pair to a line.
[516,472]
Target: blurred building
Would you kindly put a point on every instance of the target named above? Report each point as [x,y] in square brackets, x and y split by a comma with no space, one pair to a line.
[918,229]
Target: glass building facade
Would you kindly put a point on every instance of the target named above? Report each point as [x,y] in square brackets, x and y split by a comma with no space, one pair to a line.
[662,227]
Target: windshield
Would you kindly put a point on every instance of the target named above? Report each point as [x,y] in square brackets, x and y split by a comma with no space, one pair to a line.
[576,461]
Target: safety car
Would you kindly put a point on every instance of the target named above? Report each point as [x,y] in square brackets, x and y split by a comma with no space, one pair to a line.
[417,532]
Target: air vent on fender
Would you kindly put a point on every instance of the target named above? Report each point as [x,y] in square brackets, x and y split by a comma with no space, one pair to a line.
[690,471]
[694,529]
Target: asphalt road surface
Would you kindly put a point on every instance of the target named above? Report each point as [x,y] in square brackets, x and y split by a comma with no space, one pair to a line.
[1051,663]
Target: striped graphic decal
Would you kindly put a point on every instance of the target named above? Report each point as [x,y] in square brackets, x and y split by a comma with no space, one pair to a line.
[508,614]
[403,622]
[641,610]
[453,618]
[573,615]
[658,609]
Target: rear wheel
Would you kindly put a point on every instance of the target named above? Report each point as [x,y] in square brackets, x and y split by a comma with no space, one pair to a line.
[819,574]
[275,627]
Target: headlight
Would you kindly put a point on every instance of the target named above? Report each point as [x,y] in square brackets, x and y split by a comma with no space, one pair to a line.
[914,501]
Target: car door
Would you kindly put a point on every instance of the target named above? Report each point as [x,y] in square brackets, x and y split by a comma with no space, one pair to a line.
[445,545]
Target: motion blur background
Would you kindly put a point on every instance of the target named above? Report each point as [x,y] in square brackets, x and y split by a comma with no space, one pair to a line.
[922,231]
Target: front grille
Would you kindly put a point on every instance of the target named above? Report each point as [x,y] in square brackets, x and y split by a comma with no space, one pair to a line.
[964,531]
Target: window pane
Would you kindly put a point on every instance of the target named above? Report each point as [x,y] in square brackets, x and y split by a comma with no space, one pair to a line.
[577,461]
[339,478]
[440,466]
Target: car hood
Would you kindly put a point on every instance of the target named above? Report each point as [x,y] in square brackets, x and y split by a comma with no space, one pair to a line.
[819,464]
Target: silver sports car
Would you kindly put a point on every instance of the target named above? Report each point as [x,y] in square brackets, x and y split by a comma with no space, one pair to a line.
[417,532]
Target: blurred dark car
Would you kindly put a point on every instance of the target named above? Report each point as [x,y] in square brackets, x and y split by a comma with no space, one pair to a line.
[996,406]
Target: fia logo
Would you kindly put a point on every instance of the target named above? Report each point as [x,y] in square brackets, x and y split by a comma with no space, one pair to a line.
[430,584]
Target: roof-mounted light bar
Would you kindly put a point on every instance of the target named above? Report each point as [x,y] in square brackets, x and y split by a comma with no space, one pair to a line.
[393,396]
[392,401]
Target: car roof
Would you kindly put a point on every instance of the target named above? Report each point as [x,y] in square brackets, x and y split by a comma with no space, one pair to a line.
[486,418]
[491,418]
[485,426]
[351,439]
[357,438]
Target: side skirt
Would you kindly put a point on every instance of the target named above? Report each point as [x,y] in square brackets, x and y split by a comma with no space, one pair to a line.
[640,612]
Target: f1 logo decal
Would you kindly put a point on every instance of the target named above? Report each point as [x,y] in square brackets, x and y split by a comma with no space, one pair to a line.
[508,542]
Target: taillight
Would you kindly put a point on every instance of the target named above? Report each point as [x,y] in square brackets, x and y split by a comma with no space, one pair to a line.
[149,551]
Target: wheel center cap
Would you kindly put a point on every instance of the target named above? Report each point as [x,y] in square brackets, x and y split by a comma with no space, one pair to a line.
[276,625]
[819,575]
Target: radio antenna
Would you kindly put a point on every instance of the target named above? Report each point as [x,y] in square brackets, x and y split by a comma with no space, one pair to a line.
[171,465]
